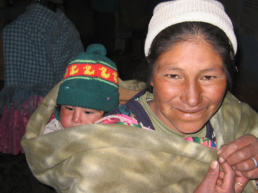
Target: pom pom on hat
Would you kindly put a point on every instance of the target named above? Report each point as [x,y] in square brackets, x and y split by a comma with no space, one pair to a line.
[172,12]
[90,81]
[97,49]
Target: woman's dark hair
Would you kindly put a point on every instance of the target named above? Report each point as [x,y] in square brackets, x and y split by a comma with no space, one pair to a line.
[183,32]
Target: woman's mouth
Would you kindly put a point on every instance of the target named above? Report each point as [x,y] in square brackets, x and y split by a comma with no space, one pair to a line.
[193,112]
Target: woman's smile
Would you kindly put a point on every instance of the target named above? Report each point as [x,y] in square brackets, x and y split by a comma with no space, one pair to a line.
[193,113]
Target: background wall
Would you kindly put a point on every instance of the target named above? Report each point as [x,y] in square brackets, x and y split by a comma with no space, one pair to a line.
[244,14]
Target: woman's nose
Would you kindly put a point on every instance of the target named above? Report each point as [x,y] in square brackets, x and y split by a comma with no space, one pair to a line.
[192,93]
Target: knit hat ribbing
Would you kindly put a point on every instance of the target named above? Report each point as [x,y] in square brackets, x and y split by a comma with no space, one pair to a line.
[90,81]
[169,13]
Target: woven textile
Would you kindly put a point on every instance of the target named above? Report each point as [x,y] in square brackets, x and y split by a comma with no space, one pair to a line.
[37,46]
[13,125]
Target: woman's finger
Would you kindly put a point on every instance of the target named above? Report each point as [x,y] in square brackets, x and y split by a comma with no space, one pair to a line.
[227,149]
[249,164]
[252,174]
[242,149]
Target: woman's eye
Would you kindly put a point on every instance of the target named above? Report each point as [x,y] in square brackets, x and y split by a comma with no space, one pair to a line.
[208,77]
[172,76]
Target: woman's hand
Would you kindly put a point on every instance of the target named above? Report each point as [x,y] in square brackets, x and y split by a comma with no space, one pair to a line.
[242,155]
[217,181]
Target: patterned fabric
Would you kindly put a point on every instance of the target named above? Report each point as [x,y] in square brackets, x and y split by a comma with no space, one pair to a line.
[13,123]
[93,64]
[202,140]
[134,109]
[119,119]
[37,47]
[92,69]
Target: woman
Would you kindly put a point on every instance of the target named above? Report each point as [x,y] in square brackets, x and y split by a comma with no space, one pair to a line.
[190,46]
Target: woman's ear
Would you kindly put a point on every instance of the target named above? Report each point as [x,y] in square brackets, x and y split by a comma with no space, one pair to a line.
[151,82]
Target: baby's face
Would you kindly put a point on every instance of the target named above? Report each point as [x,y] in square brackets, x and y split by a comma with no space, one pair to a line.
[71,116]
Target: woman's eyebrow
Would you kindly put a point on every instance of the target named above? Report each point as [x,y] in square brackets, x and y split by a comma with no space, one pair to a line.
[170,67]
[212,69]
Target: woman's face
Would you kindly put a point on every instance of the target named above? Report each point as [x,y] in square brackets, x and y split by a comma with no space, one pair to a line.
[71,116]
[189,84]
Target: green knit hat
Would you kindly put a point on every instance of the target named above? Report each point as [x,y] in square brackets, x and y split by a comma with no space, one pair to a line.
[90,81]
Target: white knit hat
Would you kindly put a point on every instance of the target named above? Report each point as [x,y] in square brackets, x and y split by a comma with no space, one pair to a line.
[172,12]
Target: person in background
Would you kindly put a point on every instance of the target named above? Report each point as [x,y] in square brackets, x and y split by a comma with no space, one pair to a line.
[88,91]
[37,46]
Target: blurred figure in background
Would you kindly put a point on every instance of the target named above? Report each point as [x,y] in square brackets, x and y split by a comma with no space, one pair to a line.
[37,46]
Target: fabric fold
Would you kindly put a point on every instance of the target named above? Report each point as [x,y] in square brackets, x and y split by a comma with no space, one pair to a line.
[112,158]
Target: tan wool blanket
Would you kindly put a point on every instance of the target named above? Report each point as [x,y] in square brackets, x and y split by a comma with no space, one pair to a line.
[112,158]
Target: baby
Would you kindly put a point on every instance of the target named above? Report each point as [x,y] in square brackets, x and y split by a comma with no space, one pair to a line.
[88,91]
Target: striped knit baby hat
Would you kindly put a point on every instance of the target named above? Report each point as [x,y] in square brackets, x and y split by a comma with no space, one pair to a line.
[172,12]
[90,81]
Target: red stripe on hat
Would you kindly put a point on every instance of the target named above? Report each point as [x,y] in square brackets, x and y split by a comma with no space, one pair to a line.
[92,70]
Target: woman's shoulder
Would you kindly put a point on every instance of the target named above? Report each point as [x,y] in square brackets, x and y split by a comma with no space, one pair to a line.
[235,118]
[233,104]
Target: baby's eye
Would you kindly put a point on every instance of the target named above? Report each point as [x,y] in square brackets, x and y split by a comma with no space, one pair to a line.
[88,112]
[69,108]
[172,76]
[208,77]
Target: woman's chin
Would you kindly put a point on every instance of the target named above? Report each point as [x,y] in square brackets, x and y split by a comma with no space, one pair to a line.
[189,128]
